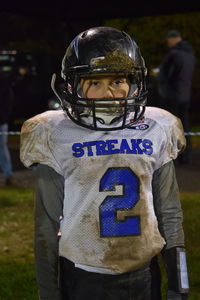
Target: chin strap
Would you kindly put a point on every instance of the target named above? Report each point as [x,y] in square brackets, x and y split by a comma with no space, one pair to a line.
[176,267]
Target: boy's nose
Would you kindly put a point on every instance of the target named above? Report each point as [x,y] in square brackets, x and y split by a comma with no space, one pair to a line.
[108,93]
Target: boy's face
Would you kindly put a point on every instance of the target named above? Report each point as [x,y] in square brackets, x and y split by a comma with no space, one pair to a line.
[101,86]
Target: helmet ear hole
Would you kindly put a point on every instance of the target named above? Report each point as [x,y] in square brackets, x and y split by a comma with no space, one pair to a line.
[83,35]
[124,34]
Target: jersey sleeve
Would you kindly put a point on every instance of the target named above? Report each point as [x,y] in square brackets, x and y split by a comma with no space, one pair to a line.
[34,144]
[173,140]
[176,138]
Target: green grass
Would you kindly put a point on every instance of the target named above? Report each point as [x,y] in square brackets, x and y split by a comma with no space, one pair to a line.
[17,275]
[191,207]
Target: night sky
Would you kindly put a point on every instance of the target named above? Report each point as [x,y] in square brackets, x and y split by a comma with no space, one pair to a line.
[97,10]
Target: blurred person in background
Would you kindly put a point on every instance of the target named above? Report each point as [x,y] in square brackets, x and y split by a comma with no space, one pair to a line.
[174,77]
[6,104]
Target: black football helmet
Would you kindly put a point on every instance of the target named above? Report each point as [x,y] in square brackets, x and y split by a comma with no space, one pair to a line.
[102,50]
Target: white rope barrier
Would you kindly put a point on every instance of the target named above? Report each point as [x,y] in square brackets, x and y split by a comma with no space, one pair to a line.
[192,133]
[18,133]
[10,133]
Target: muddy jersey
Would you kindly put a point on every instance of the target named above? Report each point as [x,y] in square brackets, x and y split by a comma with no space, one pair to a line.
[108,221]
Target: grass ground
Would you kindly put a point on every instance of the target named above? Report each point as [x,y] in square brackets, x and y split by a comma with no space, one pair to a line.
[17,276]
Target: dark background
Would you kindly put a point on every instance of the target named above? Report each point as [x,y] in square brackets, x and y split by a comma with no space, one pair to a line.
[39,33]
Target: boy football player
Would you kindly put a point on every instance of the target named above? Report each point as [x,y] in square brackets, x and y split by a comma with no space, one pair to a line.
[107,198]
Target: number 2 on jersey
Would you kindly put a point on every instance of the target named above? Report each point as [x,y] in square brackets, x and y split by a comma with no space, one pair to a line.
[109,225]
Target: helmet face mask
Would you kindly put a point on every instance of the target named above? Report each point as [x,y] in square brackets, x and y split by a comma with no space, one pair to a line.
[110,53]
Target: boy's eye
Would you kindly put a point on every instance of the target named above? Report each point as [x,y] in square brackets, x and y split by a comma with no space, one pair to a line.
[94,82]
[118,81]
